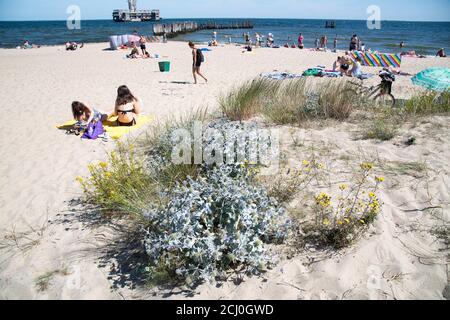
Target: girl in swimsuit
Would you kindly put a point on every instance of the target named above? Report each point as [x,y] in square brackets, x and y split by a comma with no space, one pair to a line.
[127,107]
[196,63]
[84,115]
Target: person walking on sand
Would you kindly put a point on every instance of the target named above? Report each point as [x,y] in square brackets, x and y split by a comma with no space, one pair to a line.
[335,44]
[197,59]
[317,44]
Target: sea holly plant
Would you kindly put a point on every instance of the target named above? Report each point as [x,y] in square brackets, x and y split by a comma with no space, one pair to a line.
[217,222]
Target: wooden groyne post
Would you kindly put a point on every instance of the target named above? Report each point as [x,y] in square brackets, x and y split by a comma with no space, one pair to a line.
[173,29]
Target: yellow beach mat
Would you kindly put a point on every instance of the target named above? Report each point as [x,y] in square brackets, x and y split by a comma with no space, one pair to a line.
[111,127]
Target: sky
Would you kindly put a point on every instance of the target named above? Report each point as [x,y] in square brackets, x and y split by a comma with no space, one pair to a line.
[406,10]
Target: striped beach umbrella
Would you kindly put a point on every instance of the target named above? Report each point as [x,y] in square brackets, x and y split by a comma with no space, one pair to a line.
[437,79]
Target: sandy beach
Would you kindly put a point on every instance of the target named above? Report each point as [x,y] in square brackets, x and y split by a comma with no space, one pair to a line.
[39,164]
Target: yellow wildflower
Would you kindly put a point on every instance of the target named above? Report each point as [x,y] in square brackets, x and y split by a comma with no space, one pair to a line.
[340,222]
[366,166]
[326,222]
[343,187]
[305,162]
[347,220]
[79,179]
[103,164]
[108,174]
[379,179]
[372,195]
[323,200]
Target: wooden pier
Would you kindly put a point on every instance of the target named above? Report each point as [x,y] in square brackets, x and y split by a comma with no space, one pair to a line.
[173,29]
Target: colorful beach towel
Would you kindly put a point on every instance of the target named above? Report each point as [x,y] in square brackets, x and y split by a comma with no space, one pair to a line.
[111,128]
[378,59]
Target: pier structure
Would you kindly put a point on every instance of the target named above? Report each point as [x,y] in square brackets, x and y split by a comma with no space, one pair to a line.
[133,14]
[171,30]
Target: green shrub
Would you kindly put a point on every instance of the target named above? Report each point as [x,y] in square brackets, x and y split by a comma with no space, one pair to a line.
[428,103]
[380,129]
[120,185]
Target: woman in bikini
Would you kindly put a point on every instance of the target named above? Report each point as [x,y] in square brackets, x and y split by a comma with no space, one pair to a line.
[196,62]
[85,114]
[127,107]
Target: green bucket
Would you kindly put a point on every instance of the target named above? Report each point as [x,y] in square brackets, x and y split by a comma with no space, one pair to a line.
[164,66]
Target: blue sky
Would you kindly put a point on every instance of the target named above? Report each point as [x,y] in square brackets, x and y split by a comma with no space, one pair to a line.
[411,10]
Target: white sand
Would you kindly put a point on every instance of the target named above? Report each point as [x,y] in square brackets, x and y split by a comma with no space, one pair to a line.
[39,164]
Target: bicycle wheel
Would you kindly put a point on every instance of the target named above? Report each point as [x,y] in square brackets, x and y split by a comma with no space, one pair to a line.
[385,100]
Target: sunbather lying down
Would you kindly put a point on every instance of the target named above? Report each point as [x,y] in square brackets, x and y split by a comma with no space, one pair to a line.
[397,71]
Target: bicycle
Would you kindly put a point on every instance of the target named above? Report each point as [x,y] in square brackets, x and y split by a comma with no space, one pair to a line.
[380,93]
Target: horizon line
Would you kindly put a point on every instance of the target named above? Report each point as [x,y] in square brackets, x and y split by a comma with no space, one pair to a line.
[337,19]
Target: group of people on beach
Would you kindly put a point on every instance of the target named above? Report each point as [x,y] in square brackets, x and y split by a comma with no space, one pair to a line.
[343,63]
[72,46]
[134,54]
[127,108]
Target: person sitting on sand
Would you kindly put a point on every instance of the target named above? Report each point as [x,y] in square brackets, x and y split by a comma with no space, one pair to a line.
[127,107]
[134,52]
[197,59]
[356,69]
[84,115]
[441,53]
[337,64]
[71,46]
[27,45]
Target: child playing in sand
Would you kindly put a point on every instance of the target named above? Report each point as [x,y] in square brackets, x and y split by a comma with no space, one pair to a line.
[84,115]
[127,107]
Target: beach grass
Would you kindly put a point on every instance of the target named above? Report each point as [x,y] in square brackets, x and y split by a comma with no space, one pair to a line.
[291,102]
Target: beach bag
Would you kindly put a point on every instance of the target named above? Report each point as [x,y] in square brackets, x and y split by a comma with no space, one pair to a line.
[93,130]
[313,72]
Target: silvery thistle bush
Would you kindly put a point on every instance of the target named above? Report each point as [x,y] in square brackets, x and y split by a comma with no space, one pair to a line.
[216,222]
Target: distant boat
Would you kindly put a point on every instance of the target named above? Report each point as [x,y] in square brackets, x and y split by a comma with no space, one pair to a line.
[331,24]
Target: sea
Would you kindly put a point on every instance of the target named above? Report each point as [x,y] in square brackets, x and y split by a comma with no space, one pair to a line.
[423,37]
